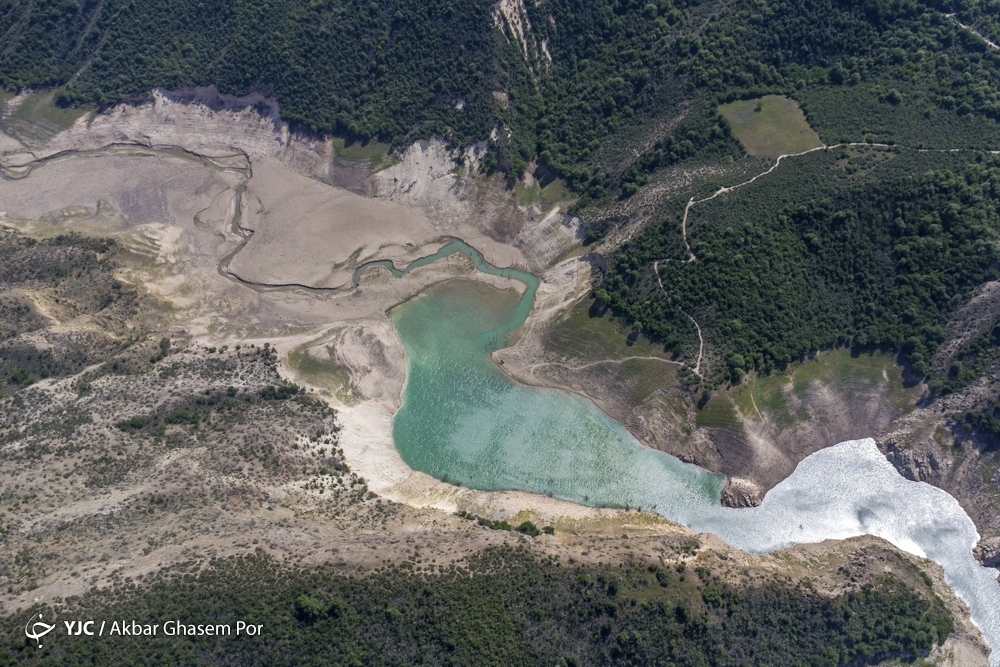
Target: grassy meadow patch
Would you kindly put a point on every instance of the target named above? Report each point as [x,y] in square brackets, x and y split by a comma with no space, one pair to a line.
[555,191]
[323,372]
[720,412]
[584,336]
[38,118]
[375,153]
[840,370]
[770,126]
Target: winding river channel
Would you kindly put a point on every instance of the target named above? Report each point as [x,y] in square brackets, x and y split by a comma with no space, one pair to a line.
[464,421]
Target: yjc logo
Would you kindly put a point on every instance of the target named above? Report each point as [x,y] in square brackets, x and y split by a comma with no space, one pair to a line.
[37,629]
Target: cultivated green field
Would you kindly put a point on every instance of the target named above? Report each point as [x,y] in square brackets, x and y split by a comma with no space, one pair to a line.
[771,126]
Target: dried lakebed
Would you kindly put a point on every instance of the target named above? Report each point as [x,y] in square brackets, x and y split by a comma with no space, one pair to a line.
[464,421]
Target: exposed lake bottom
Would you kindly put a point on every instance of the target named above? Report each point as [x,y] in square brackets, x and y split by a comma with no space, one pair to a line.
[463,420]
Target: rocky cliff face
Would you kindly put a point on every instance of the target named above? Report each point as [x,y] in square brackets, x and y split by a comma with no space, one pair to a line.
[988,552]
[930,445]
[920,464]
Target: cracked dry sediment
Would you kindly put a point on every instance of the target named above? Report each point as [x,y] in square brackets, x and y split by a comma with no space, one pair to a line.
[437,198]
[178,215]
[172,214]
[766,450]
[179,247]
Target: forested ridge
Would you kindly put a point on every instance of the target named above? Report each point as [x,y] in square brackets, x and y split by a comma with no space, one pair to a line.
[399,70]
[867,248]
[504,607]
[331,65]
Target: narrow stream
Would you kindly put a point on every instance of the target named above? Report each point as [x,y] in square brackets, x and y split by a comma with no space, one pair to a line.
[464,421]
[496,336]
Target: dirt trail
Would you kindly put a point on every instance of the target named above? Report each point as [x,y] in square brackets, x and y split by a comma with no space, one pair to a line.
[691,256]
[701,339]
[701,343]
[729,188]
[983,37]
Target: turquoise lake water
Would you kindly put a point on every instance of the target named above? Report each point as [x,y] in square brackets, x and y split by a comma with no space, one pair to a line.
[463,420]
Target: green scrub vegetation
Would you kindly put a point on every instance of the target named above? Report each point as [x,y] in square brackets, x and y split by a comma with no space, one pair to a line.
[969,362]
[77,273]
[504,607]
[607,96]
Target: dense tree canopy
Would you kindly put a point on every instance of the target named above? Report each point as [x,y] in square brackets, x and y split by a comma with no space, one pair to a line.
[506,608]
[579,83]
[817,257]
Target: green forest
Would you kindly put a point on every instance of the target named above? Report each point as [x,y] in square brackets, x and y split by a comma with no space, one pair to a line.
[861,247]
[504,607]
[874,250]
[895,70]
